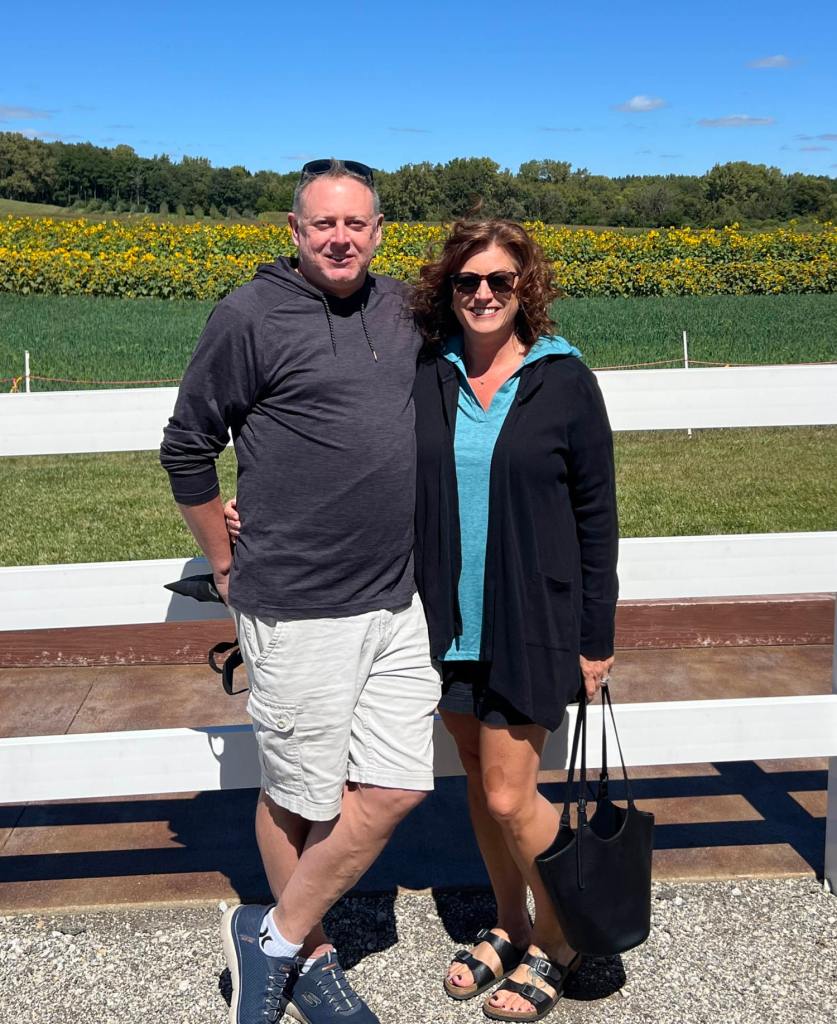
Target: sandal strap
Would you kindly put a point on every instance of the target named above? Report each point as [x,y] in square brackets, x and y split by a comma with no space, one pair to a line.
[541,1000]
[480,971]
[553,974]
[509,954]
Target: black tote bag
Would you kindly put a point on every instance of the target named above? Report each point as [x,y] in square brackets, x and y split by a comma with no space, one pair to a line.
[598,876]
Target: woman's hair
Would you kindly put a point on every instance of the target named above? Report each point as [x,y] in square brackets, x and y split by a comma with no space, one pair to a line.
[535,289]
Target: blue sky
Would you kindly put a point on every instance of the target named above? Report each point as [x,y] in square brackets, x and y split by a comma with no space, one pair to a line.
[617,88]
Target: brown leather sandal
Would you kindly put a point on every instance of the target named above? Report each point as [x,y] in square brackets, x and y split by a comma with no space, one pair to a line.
[484,977]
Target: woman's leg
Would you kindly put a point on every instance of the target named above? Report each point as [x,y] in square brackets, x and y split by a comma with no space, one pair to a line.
[510,759]
[506,880]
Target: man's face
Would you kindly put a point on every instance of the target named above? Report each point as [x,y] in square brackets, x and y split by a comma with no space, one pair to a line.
[337,233]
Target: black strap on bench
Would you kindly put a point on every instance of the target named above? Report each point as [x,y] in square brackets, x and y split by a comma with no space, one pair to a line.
[230,664]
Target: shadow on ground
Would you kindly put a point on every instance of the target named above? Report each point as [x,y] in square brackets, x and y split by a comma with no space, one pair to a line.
[434,848]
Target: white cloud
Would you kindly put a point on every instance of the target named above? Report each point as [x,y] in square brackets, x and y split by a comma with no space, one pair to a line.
[33,133]
[814,149]
[412,131]
[735,121]
[825,137]
[8,113]
[778,60]
[641,104]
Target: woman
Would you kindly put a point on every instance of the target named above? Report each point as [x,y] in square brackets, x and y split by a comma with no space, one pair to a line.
[515,558]
[516,542]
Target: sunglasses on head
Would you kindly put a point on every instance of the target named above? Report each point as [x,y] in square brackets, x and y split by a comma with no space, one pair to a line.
[315,167]
[501,282]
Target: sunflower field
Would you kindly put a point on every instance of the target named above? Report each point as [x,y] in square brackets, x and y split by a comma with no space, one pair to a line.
[206,260]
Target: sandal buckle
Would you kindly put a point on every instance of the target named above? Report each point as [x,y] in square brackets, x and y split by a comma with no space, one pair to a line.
[542,967]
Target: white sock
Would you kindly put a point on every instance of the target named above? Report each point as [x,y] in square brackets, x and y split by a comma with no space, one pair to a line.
[272,941]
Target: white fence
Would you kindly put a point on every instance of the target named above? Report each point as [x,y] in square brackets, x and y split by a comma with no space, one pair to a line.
[184,760]
[650,568]
[679,732]
[65,422]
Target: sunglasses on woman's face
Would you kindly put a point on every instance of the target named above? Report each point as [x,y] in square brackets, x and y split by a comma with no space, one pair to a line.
[501,282]
[315,167]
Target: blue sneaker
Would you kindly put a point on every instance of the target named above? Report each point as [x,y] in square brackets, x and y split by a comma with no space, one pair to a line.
[323,995]
[261,984]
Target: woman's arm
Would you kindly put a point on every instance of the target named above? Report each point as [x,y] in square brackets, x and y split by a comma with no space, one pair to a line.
[592,485]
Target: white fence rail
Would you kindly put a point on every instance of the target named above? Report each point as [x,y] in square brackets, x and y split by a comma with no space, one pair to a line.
[34,768]
[100,765]
[655,568]
[65,422]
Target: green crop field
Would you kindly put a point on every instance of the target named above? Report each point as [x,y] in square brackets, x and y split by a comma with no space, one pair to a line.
[19,208]
[90,508]
[105,339]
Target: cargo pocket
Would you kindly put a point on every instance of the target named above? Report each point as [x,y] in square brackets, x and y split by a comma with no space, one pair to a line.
[275,729]
[549,616]
[260,637]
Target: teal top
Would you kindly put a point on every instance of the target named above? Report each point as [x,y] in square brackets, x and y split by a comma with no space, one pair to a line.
[476,434]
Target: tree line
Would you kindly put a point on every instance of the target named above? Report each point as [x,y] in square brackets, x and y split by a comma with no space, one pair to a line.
[87,177]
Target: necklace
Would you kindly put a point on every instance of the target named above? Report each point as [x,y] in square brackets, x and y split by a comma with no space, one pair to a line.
[482,381]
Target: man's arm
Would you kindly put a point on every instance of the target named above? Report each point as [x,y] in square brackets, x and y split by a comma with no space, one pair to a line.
[207,525]
[218,390]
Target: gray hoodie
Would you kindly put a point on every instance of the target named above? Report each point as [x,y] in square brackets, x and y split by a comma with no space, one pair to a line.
[317,393]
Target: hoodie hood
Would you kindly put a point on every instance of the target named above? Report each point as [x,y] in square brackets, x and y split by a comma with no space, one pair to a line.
[550,345]
[284,273]
[547,345]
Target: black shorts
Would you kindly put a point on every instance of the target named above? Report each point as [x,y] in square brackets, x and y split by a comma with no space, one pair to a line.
[465,690]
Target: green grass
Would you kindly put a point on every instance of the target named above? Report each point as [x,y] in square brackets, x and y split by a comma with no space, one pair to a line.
[19,208]
[721,328]
[104,339]
[91,508]
[87,338]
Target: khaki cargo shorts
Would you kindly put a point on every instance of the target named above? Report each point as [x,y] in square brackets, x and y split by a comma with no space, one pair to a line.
[337,700]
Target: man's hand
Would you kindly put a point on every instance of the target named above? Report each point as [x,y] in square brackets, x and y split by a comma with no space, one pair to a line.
[232,520]
[595,673]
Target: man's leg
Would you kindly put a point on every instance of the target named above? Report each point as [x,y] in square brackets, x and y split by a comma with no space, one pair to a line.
[390,767]
[337,853]
[313,727]
[281,836]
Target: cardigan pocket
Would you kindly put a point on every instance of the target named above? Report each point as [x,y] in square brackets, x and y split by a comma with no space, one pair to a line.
[549,616]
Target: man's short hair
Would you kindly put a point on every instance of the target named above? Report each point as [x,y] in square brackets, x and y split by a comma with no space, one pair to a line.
[337,169]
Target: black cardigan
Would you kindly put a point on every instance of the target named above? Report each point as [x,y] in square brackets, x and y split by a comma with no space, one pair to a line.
[550,570]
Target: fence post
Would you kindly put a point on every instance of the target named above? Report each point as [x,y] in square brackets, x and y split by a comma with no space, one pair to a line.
[686,366]
[830,869]
[26,371]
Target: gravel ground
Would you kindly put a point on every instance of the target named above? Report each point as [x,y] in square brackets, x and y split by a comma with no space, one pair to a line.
[719,953]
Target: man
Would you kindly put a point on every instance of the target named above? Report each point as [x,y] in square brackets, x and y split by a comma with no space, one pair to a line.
[311,367]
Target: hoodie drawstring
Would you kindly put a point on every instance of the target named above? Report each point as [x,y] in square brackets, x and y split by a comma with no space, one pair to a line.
[363,322]
[366,331]
[330,324]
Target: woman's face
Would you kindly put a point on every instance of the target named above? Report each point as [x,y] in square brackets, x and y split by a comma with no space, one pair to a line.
[485,310]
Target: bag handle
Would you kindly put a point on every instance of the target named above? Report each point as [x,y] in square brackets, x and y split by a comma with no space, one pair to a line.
[568,792]
[606,697]
[580,737]
[580,733]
